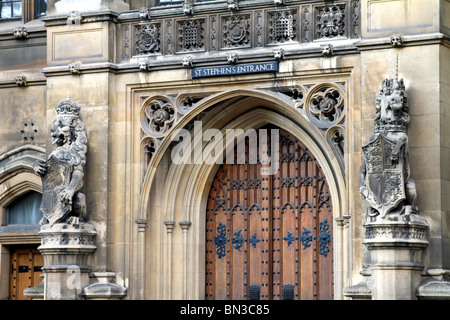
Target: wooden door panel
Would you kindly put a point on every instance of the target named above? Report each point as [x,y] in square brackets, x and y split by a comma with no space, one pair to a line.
[26,264]
[270,237]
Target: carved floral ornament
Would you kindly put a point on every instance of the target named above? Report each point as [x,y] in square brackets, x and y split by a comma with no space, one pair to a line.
[322,104]
[158,116]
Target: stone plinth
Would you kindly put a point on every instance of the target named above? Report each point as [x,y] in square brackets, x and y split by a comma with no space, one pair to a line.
[396,257]
[67,250]
[36,293]
[103,287]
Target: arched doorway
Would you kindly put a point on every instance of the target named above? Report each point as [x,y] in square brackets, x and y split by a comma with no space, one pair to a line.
[270,236]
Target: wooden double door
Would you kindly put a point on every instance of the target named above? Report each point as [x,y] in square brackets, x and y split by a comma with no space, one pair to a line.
[270,236]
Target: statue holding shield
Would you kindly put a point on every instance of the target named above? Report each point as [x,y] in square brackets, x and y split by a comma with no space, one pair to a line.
[63,173]
[385,180]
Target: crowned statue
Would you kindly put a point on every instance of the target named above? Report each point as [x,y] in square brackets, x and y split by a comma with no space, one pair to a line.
[63,172]
[385,178]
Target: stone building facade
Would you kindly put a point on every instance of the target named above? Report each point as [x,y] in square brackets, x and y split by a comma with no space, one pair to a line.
[150,76]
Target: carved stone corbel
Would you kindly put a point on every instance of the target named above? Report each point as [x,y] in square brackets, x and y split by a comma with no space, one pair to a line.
[188,9]
[327,49]
[74,68]
[144,65]
[397,40]
[232,57]
[74,17]
[187,62]
[144,14]
[20,33]
[21,81]
[233,4]
[278,54]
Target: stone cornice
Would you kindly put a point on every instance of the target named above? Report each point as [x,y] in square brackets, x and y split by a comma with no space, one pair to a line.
[408,40]
[86,17]
[165,11]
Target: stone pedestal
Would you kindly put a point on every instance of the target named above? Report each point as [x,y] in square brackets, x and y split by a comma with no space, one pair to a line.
[396,249]
[35,293]
[103,287]
[67,250]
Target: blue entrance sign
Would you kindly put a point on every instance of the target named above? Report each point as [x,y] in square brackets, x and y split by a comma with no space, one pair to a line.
[233,70]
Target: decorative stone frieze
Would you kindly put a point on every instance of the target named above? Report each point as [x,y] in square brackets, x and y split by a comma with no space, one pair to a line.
[246,28]
[67,250]
[322,103]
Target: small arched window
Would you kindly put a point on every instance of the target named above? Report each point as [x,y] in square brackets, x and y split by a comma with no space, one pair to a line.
[25,209]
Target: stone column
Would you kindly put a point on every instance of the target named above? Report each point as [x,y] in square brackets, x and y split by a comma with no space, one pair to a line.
[396,249]
[67,250]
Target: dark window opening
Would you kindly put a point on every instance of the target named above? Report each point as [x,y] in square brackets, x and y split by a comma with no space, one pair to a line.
[163,2]
[25,209]
[10,10]
[40,8]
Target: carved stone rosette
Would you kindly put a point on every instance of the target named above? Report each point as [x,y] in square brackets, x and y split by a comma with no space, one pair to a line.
[158,115]
[148,38]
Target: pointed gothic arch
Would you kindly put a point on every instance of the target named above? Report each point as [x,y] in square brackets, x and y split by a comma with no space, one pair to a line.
[186,187]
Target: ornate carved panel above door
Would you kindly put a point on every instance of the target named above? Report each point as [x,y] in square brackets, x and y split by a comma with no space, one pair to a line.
[216,28]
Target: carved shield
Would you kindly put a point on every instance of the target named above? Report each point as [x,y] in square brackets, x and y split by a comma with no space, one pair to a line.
[55,180]
[384,178]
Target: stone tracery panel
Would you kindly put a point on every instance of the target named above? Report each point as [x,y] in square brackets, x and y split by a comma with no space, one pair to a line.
[191,35]
[323,104]
[168,34]
[330,21]
[158,116]
[148,38]
[236,31]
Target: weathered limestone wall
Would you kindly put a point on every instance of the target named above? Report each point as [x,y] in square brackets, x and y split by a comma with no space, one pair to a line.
[111,90]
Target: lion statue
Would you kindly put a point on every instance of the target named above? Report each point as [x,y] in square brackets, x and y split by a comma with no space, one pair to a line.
[63,172]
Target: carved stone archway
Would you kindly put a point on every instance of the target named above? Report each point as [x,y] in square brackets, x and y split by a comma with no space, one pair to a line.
[181,211]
